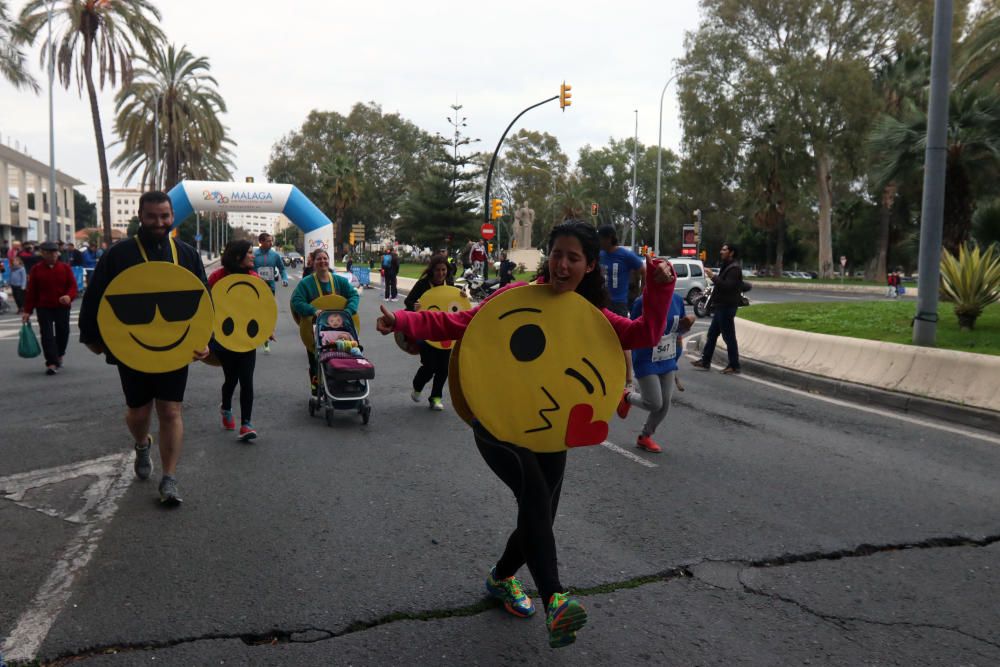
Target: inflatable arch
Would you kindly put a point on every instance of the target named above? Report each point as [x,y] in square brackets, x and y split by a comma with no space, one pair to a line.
[213,196]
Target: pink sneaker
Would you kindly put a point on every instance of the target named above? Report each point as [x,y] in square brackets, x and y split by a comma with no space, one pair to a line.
[228,423]
[645,442]
[623,405]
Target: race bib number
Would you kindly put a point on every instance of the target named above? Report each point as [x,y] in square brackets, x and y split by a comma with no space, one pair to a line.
[666,349]
[266,273]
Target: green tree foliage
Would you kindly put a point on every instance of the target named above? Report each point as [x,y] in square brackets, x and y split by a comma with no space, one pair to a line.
[389,154]
[88,33]
[84,212]
[343,190]
[986,223]
[193,141]
[431,213]
[12,65]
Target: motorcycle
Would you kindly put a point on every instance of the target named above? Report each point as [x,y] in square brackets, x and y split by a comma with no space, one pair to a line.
[474,285]
[701,304]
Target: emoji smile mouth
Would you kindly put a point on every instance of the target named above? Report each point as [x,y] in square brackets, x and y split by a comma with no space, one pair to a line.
[161,348]
[554,408]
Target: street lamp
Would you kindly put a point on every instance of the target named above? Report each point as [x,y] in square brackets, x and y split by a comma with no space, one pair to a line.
[156,140]
[635,175]
[53,199]
[659,161]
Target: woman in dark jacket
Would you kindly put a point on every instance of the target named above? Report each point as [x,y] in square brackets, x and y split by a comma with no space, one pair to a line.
[433,361]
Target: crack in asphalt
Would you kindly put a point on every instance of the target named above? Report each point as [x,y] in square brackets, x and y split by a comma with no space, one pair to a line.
[312,634]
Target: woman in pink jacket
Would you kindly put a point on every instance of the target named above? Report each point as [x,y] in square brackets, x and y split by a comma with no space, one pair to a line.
[536,478]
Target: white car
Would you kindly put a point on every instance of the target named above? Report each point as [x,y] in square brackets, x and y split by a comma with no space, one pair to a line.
[690,277]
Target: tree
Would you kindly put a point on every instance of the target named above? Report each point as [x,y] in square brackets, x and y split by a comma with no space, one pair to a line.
[173,86]
[798,63]
[342,191]
[432,214]
[12,65]
[88,32]
[972,155]
[84,212]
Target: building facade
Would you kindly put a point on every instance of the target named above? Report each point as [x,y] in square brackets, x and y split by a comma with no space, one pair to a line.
[124,206]
[24,199]
[254,223]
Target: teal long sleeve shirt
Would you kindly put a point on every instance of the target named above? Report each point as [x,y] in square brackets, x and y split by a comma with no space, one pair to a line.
[305,292]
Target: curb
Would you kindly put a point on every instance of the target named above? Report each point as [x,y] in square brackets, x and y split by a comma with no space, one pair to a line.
[806,286]
[977,418]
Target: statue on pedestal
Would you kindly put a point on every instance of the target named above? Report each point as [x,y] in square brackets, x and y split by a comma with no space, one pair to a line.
[524,219]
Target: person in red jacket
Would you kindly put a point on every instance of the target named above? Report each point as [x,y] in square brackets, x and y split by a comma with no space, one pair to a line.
[51,290]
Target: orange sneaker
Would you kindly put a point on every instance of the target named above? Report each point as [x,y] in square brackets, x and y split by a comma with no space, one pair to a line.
[623,405]
[645,442]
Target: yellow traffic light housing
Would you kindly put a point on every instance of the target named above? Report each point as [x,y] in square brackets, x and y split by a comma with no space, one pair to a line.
[594,208]
[496,209]
[703,256]
[564,96]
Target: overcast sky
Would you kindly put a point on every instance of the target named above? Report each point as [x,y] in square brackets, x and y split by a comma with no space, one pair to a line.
[274,65]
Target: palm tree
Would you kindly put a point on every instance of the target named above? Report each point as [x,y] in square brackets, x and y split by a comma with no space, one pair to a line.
[973,154]
[174,85]
[86,32]
[12,58]
[342,189]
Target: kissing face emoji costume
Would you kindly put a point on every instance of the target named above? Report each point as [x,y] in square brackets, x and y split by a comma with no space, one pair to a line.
[245,312]
[444,298]
[154,316]
[529,375]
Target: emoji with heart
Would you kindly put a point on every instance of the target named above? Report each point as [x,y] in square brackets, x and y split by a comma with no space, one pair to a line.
[541,370]
[245,312]
[154,316]
[444,298]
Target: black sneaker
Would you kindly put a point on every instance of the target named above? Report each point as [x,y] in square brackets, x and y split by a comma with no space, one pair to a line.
[168,492]
[143,460]
[50,370]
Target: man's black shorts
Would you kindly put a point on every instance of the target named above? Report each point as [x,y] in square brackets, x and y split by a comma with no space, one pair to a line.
[141,388]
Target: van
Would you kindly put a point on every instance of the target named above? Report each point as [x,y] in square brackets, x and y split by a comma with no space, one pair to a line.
[690,277]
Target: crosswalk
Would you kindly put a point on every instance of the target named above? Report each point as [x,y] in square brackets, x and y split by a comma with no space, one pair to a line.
[10,325]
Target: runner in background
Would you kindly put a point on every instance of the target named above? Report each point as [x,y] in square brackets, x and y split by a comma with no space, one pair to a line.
[269,265]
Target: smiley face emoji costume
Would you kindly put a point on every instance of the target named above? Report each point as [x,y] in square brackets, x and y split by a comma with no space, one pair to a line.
[245,312]
[153,316]
[532,378]
[444,298]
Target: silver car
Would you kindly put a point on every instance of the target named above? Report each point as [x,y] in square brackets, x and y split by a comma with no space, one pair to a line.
[690,277]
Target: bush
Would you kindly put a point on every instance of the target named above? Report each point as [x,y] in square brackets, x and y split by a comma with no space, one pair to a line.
[971,281]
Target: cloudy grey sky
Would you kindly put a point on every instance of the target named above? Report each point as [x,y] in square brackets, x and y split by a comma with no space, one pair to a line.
[277,61]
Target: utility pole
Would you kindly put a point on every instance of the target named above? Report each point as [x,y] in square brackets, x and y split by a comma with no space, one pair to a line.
[635,175]
[935,157]
[53,198]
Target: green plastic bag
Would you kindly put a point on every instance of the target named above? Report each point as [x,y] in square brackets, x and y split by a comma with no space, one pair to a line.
[27,345]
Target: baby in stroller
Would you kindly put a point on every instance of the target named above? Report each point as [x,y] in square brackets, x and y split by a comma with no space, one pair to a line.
[345,371]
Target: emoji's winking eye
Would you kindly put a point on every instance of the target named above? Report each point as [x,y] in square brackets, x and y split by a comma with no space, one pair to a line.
[527,343]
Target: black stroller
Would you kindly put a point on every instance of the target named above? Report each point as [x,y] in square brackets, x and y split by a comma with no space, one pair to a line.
[343,374]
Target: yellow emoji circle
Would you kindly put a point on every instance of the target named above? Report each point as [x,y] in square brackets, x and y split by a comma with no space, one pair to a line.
[154,316]
[541,370]
[245,312]
[325,302]
[445,298]
[458,402]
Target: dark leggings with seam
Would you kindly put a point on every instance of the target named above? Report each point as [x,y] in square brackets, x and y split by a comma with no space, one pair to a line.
[433,364]
[536,480]
[238,368]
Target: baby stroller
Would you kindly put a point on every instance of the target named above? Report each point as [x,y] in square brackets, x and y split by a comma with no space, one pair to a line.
[343,374]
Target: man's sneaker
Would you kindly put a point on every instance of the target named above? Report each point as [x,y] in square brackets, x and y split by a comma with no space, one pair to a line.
[645,442]
[437,404]
[623,405]
[143,461]
[247,432]
[267,347]
[565,616]
[168,492]
[699,364]
[415,396]
[228,423]
[50,370]
[509,592]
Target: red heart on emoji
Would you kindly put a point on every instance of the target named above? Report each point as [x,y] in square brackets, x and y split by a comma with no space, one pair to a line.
[581,430]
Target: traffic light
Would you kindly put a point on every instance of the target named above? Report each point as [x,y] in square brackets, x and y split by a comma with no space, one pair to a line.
[489,247]
[593,210]
[350,238]
[564,96]
[496,209]
[703,256]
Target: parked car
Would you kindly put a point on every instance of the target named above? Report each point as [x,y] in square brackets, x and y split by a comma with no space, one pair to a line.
[292,259]
[690,278]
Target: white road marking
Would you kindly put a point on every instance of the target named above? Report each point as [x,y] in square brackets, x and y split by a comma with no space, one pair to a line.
[875,411]
[102,500]
[627,454]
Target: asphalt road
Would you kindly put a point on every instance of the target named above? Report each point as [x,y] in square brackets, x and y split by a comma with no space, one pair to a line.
[777,528]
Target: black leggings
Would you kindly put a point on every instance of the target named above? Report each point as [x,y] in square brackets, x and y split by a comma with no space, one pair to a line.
[433,364]
[536,480]
[54,325]
[238,367]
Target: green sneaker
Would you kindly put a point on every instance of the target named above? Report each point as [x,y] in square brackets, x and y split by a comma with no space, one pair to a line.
[437,404]
[565,616]
[509,592]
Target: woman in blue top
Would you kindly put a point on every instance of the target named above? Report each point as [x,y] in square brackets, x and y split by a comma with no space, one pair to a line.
[655,369]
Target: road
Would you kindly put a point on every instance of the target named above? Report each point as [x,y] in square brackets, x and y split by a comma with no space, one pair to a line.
[777,528]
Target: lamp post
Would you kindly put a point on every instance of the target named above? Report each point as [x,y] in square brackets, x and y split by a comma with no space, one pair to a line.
[635,175]
[53,199]
[156,142]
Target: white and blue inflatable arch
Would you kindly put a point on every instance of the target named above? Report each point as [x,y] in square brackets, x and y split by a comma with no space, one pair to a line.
[213,196]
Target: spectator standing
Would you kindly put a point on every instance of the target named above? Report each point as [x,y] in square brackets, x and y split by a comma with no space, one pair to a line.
[51,290]
[506,271]
[390,272]
[726,298]
[90,257]
[18,281]
[29,257]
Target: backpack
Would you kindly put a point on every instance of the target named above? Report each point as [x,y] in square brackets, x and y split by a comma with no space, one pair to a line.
[386,261]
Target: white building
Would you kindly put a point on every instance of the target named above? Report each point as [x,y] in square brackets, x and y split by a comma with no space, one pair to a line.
[24,218]
[254,223]
[124,206]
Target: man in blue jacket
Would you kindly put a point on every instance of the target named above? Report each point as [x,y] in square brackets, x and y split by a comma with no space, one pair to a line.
[269,265]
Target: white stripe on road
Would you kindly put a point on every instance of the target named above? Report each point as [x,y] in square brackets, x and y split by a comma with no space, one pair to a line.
[875,411]
[34,624]
[627,454]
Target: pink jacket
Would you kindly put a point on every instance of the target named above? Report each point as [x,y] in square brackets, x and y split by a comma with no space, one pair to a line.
[633,334]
